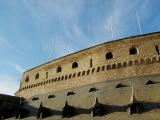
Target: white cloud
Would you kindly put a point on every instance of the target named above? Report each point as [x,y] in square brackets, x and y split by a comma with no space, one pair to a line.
[18,68]
[124,17]
[45,13]
[68,16]
[8,84]
[4,42]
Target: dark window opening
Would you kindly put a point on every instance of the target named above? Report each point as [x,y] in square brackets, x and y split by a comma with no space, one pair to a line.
[142,61]
[109,55]
[27,79]
[130,63]
[133,51]
[98,69]
[136,62]
[120,85]
[59,69]
[154,60]
[83,73]
[93,70]
[93,89]
[88,72]
[158,49]
[74,75]
[79,74]
[55,79]
[74,65]
[70,76]
[150,82]
[124,64]
[50,80]
[35,98]
[66,76]
[62,77]
[135,108]
[90,62]
[59,78]
[103,68]
[108,67]
[70,93]
[51,96]
[119,65]
[114,66]
[37,76]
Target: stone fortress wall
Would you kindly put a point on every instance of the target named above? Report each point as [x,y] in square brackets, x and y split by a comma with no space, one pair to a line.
[125,58]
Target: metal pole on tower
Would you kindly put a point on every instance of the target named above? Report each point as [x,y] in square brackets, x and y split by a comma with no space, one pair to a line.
[111,27]
[69,42]
[138,20]
[88,31]
[53,46]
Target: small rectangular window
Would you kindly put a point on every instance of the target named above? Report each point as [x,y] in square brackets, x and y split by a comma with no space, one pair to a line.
[83,73]
[74,75]
[79,74]
[93,70]
[70,93]
[90,62]
[35,98]
[158,49]
[103,68]
[37,76]
[93,89]
[51,96]
[46,75]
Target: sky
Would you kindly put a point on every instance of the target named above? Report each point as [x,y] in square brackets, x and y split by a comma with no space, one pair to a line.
[33,32]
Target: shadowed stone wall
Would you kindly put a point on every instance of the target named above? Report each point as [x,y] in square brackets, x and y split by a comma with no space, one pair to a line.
[114,96]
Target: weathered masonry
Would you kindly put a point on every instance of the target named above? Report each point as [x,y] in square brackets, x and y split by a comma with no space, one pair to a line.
[121,59]
[117,80]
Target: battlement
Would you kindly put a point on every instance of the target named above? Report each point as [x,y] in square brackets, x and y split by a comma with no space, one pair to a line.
[124,58]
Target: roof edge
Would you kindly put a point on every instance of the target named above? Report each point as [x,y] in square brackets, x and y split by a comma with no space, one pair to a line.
[114,40]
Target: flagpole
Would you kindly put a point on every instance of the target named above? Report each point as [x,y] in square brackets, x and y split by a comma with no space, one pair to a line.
[138,20]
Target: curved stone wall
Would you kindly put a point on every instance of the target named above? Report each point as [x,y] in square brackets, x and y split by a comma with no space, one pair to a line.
[95,65]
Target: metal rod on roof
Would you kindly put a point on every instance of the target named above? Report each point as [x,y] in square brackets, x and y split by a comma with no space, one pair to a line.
[110,20]
[138,20]
[53,46]
[88,26]
[88,31]
[69,42]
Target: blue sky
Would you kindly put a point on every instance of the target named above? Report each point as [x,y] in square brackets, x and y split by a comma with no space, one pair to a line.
[33,32]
